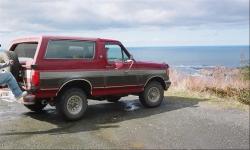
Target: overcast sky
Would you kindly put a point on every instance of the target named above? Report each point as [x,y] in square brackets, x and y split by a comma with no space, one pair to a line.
[134,22]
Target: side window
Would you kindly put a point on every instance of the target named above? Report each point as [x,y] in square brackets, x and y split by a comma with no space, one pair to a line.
[70,49]
[115,53]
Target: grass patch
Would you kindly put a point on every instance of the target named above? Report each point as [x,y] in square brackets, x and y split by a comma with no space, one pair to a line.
[207,98]
[241,95]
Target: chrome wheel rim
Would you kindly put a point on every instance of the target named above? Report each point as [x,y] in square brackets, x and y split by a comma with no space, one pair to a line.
[154,94]
[74,104]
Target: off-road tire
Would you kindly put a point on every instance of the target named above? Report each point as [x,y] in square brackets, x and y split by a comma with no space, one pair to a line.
[68,98]
[147,97]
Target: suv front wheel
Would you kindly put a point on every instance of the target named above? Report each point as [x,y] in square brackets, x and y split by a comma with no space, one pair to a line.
[72,104]
[153,94]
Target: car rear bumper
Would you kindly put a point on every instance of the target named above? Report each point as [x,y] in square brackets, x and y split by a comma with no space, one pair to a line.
[29,99]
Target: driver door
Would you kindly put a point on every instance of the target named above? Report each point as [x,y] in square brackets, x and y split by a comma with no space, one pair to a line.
[117,66]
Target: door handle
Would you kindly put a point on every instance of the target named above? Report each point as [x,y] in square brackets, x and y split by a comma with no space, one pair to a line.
[109,66]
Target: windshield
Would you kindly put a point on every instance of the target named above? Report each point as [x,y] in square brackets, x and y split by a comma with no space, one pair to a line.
[26,50]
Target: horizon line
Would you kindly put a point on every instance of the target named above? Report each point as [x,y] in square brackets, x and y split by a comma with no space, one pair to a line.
[190,45]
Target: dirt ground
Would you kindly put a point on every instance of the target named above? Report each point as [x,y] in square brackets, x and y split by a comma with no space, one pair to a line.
[178,123]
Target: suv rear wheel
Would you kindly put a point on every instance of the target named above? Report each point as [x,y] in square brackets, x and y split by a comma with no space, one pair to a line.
[153,94]
[72,104]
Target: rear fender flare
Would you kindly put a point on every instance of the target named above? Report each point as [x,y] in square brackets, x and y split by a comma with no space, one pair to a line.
[83,81]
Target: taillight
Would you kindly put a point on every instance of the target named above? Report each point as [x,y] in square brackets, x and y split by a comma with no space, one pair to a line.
[35,77]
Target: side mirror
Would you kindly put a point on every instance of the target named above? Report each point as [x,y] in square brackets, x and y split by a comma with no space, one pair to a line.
[131,61]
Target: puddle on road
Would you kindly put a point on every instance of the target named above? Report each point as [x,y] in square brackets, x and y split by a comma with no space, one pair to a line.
[131,106]
[9,109]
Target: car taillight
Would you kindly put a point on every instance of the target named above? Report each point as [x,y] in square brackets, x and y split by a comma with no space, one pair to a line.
[35,78]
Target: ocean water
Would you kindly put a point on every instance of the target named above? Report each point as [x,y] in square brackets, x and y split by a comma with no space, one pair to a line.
[193,58]
[229,56]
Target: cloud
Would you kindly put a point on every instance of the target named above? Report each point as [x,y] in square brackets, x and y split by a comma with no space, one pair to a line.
[75,15]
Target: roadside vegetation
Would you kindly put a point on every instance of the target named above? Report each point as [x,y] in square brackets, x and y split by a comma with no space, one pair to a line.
[224,83]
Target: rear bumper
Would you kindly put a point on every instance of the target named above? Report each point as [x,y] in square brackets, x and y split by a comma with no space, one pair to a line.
[167,84]
[29,99]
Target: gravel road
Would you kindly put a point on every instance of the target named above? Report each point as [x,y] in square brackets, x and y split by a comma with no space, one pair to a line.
[178,123]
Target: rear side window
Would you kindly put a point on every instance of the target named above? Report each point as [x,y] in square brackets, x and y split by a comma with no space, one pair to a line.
[26,50]
[70,49]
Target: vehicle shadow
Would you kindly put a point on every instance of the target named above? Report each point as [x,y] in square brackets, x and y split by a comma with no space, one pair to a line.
[103,115]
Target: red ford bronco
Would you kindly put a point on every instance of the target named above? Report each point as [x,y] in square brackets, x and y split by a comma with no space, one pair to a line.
[66,71]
